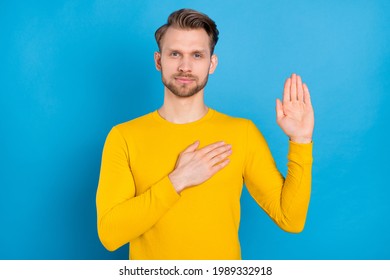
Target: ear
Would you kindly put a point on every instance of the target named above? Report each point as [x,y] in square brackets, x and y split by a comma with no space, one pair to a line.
[157,60]
[213,63]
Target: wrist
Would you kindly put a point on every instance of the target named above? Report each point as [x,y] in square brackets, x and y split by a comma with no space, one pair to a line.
[301,140]
[177,181]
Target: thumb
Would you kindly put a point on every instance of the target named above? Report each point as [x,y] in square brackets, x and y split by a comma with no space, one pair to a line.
[279,109]
[192,147]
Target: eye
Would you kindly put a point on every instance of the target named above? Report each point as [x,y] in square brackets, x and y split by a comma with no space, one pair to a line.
[197,55]
[174,54]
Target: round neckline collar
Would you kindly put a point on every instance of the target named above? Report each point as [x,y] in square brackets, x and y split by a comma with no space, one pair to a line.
[207,116]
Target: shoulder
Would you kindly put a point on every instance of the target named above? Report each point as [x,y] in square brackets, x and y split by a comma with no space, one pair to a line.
[137,123]
[239,122]
[239,125]
[127,130]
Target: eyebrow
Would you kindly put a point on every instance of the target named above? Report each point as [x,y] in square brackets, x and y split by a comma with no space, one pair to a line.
[193,51]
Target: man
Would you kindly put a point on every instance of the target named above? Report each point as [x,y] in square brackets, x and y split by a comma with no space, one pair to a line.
[171,180]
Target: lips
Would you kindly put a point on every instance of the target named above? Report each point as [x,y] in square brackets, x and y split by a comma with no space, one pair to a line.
[184,79]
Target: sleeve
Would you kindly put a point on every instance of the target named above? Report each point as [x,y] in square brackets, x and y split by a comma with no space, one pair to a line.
[285,200]
[121,215]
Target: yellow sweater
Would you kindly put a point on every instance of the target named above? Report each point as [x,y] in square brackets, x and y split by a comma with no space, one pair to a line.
[137,203]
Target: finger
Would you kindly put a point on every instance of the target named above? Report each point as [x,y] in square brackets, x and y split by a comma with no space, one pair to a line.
[217,151]
[299,89]
[286,92]
[293,88]
[192,147]
[211,147]
[219,166]
[220,157]
[279,110]
[306,95]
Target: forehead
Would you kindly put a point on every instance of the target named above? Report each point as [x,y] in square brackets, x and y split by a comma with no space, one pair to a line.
[186,40]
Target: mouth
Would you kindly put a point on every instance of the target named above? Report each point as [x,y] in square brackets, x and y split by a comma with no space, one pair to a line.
[184,79]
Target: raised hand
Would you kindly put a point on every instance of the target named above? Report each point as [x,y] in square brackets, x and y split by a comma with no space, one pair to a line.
[194,166]
[295,114]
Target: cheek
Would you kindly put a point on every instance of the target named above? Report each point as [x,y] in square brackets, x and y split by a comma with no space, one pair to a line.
[168,67]
[206,69]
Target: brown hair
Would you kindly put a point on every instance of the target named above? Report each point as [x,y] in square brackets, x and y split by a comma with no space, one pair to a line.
[189,19]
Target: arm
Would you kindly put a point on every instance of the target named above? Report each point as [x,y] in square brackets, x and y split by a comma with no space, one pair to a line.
[123,216]
[286,200]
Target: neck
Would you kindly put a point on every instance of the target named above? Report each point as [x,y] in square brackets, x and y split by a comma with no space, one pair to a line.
[182,110]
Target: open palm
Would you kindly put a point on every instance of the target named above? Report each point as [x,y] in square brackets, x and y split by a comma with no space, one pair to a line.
[295,114]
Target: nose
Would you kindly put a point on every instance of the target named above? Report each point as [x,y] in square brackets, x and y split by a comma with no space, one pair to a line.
[185,65]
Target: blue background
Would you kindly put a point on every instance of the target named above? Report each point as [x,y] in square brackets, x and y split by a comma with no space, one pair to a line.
[70,70]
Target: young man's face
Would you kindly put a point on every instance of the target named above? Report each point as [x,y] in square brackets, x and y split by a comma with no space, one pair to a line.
[185,61]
